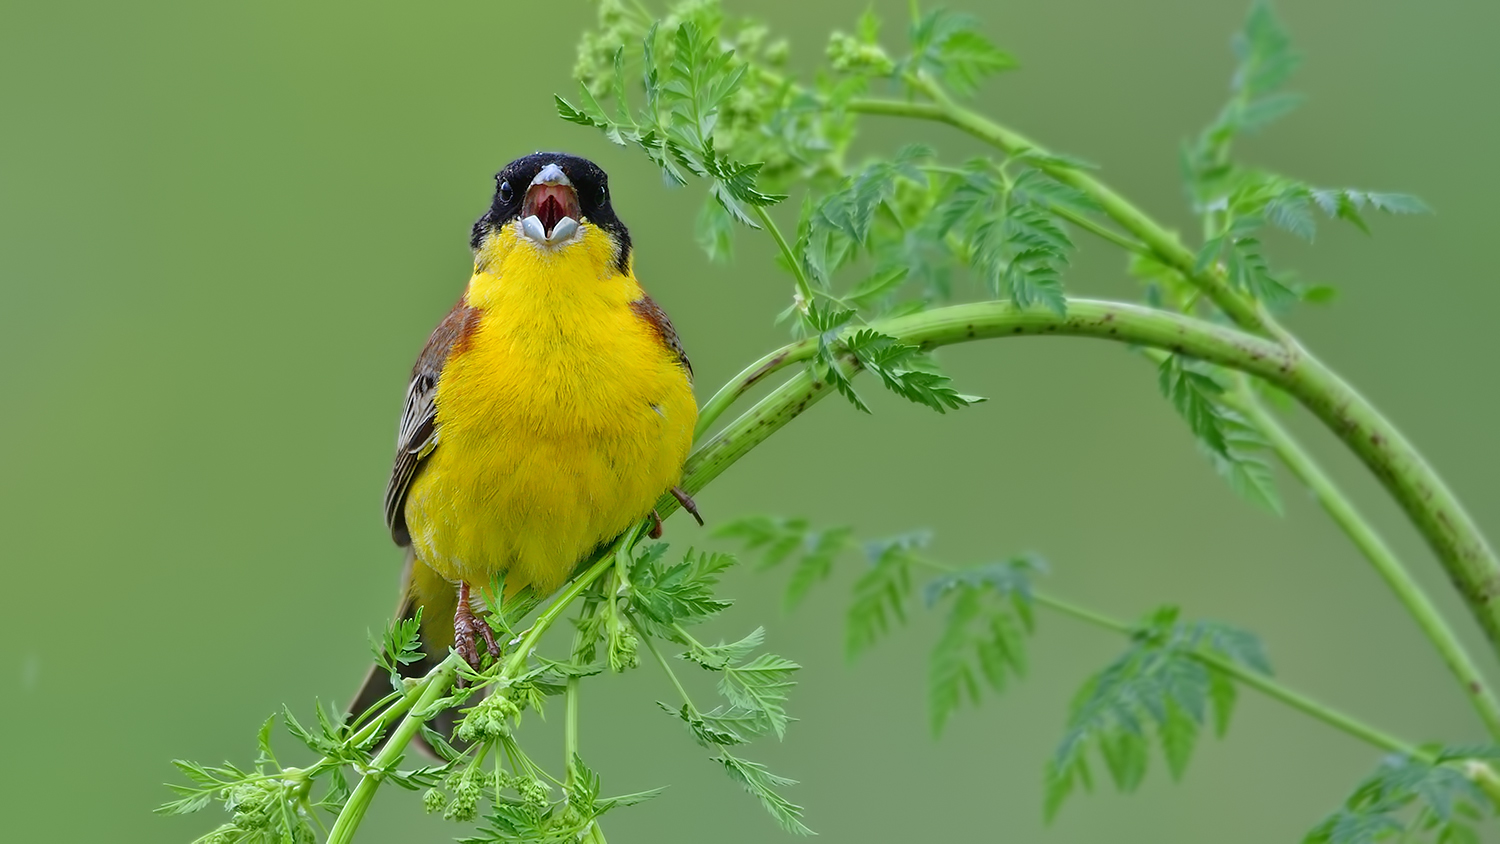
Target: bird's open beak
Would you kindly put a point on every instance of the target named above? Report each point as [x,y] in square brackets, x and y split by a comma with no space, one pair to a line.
[550,212]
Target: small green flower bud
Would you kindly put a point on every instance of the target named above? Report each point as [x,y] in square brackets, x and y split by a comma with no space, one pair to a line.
[849,55]
[466,794]
[623,651]
[488,720]
[433,800]
[534,793]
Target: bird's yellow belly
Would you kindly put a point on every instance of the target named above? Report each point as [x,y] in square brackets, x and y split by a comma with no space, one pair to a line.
[554,435]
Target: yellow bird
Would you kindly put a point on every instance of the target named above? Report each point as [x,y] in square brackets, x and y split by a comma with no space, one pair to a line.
[548,412]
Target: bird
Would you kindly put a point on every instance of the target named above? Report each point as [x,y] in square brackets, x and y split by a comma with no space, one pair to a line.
[548,412]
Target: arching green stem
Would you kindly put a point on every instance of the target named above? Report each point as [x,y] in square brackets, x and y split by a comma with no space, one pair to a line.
[1381,557]
[1465,554]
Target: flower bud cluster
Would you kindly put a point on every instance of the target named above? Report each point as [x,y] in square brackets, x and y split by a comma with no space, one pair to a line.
[489,719]
[848,54]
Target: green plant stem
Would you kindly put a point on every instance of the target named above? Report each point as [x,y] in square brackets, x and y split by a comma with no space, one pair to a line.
[437,685]
[1470,562]
[1448,529]
[570,722]
[1088,224]
[438,682]
[666,668]
[1083,614]
[570,733]
[1369,542]
[516,662]
[795,265]
[741,384]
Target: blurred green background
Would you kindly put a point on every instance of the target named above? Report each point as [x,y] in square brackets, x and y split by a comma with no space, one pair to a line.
[226,230]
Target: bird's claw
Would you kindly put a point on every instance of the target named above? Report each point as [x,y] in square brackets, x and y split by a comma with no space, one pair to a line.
[687,503]
[465,624]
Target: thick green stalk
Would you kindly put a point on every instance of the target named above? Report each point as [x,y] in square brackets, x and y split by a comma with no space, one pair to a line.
[1470,562]
[437,685]
[740,384]
[1369,542]
[1438,515]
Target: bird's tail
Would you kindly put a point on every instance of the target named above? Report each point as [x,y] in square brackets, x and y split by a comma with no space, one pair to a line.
[420,587]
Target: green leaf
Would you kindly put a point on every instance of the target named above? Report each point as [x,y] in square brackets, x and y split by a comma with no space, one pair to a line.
[880,595]
[780,539]
[1265,62]
[1265,54]
[1157,688]
[1013,237]
[1035,187]
[1291,211]
[761,686]
[763,784]
[1231,441]
[1195,396]
[721,656]
[1179,733]
[877,285]
[851,209]
[1347,205]
[1248,474]
[719,732]
[1410,799]
[715,232]
[983,635]
[681,593]
[884,355]
[949,47]
[400,645]
[816,563]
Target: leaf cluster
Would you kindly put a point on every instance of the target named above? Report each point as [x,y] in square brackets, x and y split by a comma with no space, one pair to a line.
[1237,202]
[664,599]
[274,802]
[989,616]
[1160,689]
[1410,799]
[690,89]
[988,608]
[523,810]
[1233,444]
[811,552]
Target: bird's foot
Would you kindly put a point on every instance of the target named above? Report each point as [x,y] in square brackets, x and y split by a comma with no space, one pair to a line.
[687,503]
[465,624]
[655,531]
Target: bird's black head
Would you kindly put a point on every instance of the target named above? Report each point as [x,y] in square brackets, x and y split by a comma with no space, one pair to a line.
[546,190]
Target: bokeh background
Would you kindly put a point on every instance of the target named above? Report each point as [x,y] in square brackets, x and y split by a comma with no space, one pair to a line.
[226,229]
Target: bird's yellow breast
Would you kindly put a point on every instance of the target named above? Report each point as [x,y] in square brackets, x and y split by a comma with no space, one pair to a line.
[560,419]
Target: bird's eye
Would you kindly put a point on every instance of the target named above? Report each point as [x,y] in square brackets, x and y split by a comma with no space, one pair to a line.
[506,194]
[603,194]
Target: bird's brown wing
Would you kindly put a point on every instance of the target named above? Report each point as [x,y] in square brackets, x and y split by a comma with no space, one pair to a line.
[417,434]
[655,317]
